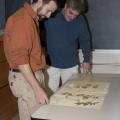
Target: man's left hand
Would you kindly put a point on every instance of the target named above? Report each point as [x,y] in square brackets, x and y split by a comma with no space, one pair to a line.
[86,67]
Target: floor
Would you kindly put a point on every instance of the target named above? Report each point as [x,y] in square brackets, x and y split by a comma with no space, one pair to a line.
[8,104]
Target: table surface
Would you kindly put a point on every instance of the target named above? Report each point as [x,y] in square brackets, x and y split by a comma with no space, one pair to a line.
[109,111]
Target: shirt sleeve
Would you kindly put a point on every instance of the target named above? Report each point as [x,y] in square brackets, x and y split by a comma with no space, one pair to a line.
[84,40]
[45,23]
[20,43]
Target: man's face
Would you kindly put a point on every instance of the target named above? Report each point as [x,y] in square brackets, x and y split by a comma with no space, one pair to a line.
[46,10]
[70,14]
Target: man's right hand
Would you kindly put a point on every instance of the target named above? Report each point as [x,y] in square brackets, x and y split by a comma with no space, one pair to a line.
[41,96]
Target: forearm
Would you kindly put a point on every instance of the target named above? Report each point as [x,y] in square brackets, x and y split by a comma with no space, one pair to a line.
[28,75]
[86,50]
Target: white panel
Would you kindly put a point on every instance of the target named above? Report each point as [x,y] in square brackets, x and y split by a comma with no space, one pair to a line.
[105,61]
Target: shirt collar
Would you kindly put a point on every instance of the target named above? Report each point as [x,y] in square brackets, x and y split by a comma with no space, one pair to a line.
[31,12]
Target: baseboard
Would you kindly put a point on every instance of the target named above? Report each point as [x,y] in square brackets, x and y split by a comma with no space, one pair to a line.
[104,61]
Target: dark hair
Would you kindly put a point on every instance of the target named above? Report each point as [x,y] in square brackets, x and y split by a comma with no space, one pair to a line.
[44,1]
[78,5]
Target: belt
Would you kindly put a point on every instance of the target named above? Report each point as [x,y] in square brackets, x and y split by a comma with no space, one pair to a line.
[14,70]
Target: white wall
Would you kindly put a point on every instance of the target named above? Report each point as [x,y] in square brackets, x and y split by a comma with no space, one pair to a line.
[105,61]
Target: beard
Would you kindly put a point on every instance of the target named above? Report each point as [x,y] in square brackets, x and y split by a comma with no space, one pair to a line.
[39,13]
[41,17]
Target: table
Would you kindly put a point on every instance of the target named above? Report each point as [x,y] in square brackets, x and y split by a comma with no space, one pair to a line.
[109,111]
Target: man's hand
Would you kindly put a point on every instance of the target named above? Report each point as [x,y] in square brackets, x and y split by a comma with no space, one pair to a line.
[86,67]
[40,95]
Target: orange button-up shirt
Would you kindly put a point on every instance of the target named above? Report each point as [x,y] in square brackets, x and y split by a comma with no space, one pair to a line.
[21,39]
